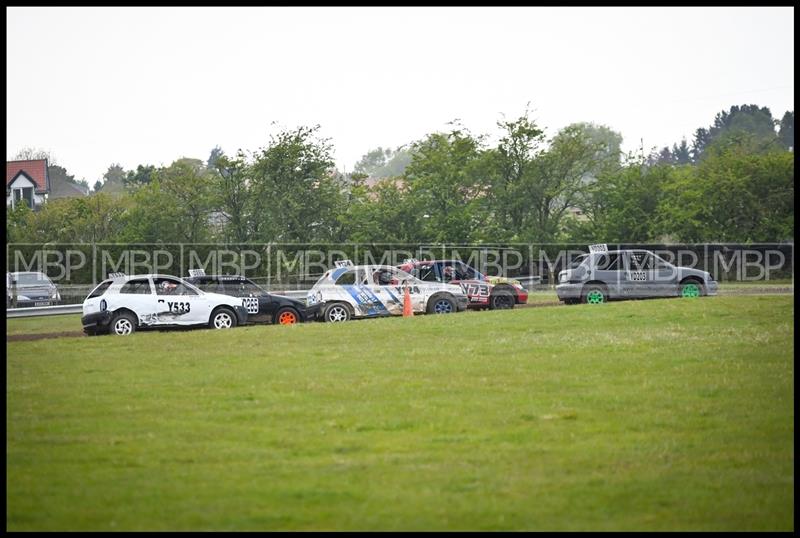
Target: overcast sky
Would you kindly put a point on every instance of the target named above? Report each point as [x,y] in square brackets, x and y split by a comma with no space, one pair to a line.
[96,86]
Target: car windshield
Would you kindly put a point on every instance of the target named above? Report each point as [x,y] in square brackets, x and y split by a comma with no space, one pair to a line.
[243,288]
[32,279]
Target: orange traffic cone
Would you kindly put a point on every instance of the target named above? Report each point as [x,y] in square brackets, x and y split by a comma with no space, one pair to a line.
[407,311]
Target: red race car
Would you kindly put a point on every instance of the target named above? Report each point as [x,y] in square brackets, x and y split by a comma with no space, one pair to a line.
[483,291]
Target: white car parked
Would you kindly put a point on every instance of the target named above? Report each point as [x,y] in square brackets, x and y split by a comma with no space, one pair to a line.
[122,304]
[360,291]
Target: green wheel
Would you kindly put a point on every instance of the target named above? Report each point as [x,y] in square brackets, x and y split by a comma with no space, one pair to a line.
[690,289]
[594,294]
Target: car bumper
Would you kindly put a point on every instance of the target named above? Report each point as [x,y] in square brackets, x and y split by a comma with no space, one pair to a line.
[311,313]
[712,287]
[462,303]
[568,291]
[97,322]
[34,302]
[522,297]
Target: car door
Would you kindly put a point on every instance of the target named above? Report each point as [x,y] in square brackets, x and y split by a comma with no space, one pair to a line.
[608,268]
[666,276]
[460,274]
[137,295]
[641,274]
[388,284]
[179,303]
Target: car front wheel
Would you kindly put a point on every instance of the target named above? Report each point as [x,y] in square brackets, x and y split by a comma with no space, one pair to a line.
[441,305]
[123,324]
[287,316]
[691,289]
[336,312]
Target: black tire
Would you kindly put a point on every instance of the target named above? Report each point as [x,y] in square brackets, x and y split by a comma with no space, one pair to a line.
[590,292]
[222,318]
[336,313]
[502,300]
[122,324]
[441,304]
[286,316]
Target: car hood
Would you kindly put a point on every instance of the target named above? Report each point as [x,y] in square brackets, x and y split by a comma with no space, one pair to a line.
[494,280]
[683,272]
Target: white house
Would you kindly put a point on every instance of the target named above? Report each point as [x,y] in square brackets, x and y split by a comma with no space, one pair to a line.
[27,182]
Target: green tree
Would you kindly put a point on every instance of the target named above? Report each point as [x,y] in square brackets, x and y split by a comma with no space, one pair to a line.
[681,154]
[446,184]
[114,180]
[786,132]
[141,176]
[559,182]
[621,206]
[233,196]
[734,194]
[296,195]
[513,175]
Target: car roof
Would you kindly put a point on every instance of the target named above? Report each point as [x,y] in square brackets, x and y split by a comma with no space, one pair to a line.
[210,278]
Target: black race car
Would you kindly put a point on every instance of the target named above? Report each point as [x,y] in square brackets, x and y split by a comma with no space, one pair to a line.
[262,307]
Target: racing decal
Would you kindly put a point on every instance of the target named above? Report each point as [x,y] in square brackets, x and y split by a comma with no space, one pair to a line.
[413,290]
[337,273]
[179,307]
[638,276]
[314,298]
[148,319]
[477,292]
[103,305]
[473,289]
[251,304]
[367,302]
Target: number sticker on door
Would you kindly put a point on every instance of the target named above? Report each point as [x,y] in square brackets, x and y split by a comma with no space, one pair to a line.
[251,304]
[637,275]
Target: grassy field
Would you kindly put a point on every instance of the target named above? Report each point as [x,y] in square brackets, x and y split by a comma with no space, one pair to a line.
[649,415]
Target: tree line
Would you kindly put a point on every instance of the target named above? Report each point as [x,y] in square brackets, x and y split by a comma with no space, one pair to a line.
[733,183]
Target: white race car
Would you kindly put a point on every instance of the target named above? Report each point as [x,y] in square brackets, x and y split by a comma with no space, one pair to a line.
[360,291]
[122,304]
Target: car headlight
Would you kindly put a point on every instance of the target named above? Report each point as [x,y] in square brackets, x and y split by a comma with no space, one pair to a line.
[55,295]
[562,278]
[23,298]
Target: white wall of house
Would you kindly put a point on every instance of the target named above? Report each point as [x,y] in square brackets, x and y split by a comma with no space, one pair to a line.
[17,185]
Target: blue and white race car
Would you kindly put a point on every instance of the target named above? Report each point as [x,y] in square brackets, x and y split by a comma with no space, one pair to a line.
[361,291]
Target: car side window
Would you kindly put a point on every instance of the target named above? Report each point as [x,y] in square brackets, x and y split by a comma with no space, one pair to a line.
[211,286]
[641,261]
[99,290]
[139,286]
[426,273]
[169,286]
[661,263]
[347,278]
[609,262]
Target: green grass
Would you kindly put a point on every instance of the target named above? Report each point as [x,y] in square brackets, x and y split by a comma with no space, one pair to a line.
[647,415]
[44,324]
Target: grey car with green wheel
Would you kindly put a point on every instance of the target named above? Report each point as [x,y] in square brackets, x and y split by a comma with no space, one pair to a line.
[601,276]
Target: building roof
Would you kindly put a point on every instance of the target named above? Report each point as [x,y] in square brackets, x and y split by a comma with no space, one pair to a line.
[60,188]
[35,170]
